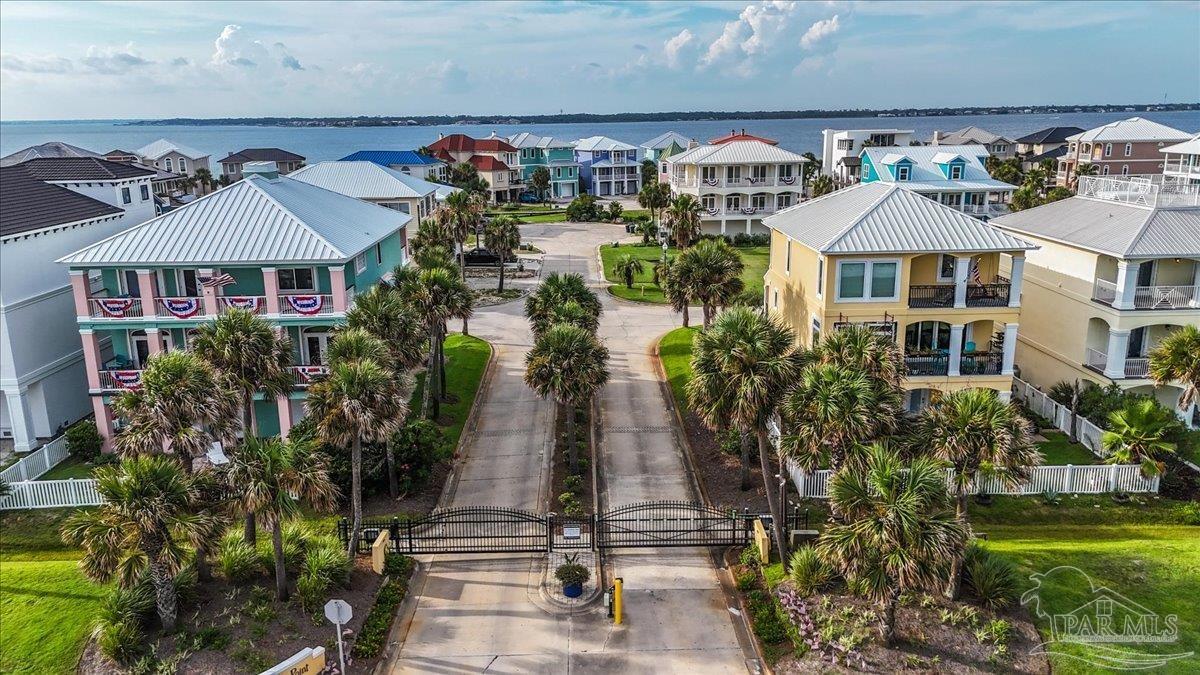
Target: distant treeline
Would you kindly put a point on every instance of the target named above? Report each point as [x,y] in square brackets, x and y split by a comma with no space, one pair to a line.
[678,116]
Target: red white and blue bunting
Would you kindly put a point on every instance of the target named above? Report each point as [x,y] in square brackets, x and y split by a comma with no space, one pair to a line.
[308,374]
[749,210]
[250,303]
[787,180]
[115,307]
[712,182]
[712,210]
[182,308]
[129,379]
[306,304]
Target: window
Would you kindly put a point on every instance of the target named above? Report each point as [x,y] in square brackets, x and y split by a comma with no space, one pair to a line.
[169,165]
[733,203]
[758,201]
[786,170]
[126,198]
[296,279]
[182,165]
[816,332]
[758,173]
[946,263]
[783,201]
[1000,149]
[1104,170]
[360,263]
[378,253]
[927,336]
[867,280]
[1128,149]
[1124,169]
[787,257]
[902,173]
[145,190]
[709,202]
[956,172]
[845,144]
[709,174]
[775,301]
[820,276]
[733,173]
[188,283]
[1108,149]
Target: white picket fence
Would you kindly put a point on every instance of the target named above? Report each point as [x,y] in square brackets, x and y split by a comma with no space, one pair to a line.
[1069,479]
[51,494]
[37,462]
[1037,401]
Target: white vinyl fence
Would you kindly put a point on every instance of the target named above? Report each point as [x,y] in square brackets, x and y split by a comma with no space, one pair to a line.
[1060,415]
[37,462]
[50,494]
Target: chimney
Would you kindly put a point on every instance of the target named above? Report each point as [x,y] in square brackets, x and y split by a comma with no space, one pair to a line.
[692,144]
[441,135]
[937,137]
[743,131]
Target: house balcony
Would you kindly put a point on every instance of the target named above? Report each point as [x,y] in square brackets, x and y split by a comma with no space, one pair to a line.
[983,210]
[922,296]
[745,182]
[1134,368]
[303,376]
[741,212]
[171,308]
[938,365]
[1182,168]
[306,305]
[1147,297]
[120,380]
[927,364]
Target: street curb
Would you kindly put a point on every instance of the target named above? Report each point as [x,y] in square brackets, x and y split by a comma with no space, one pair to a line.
[469,429]
[402,621]
[730,588]
[689,458]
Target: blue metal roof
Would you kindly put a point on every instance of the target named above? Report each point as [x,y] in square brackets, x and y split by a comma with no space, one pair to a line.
[386,157]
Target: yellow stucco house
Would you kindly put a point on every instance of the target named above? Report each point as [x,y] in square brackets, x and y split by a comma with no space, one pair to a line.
[1117,268]
[924,273]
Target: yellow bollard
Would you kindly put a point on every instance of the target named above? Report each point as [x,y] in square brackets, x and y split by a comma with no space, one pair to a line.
[617,606]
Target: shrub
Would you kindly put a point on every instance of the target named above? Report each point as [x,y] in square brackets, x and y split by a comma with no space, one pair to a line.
[373,635]
[417,447]
[572,573]
[749,298]
[238,561]
[809,572]
[132,605]
[1188,513]
[84,440]
[992,580]
[328,560]
[750,557]
[614,211]
[583,209]
[573,483]
[295,539]
[123,641]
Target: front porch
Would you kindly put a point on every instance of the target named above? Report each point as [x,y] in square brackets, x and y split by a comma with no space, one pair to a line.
[1166,284]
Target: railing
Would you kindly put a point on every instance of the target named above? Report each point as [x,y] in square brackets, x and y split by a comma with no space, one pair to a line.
[179,307]
[1149,297]
[1104,291]
[741,211]
[981,363]
[988,295]
[305,305]
[37,462]
[927,365]
[52,494]
[255,304]
[303,376]
[1180,166]
[120,380]
[1140,191]
[1134,367]
[115,308]
[942,295]
[989,210]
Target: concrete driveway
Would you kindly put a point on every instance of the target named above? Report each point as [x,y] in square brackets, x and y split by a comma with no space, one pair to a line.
[477,613]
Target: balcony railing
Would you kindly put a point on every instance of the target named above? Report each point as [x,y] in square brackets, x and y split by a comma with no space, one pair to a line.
[115,308]
[1182,167]
[303,376]
[934,364]
[255,304]
[1134,367]
[942,295]
[1150,297]
[305,305]
[1147,191]
[983,210]
[981,363]
[179,307]
[741,211]
[121,380]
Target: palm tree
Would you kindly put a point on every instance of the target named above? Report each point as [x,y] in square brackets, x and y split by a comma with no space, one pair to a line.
[897,531]
[429,257]
[860,348]
[1138,433]
[809,168]
[181,408]
[204,178]
[434,230]
[569,364]
[539,180]
[829,412]
[556,290]
[977,436]
[1177,359]
[273,479]
[683,217]
[464,210]
[148,516]
[502,236]
[571,313]
[674,287]
[654,196]
[1084,169]
[437,295]
[822,185]
[357,403]
[627,268]
[382,313]
[712,273]
[743,365]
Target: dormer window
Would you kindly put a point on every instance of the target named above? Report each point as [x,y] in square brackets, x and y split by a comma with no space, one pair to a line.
[902,172]
[956,172]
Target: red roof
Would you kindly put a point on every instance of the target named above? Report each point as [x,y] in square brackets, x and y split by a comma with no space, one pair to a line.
[735,135]
[488,163]
[443,155]
[464,143]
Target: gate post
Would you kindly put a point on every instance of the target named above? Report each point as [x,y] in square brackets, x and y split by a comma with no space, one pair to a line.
[343,531]
[408,521]
[549,533]
[593,521]
[395,534]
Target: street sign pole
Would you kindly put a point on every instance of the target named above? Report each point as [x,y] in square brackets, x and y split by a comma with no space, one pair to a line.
[339,613]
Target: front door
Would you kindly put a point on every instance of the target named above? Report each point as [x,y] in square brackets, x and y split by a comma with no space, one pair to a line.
[316,345]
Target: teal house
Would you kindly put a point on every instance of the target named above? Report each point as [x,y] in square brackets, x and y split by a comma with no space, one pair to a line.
[953,175]
[293,253]
[558,157]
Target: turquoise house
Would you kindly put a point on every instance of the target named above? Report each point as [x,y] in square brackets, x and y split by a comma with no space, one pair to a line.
[292,253]
[953,175]
[558,157]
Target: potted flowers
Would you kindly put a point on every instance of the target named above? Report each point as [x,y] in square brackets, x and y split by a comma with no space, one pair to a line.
[573,576]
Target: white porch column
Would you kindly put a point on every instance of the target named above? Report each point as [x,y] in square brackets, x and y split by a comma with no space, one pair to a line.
[20,418]
[1018,274]
[1127,274]
[962,268]
[1118,345]
[1010,349]
[1195,284]
[284,406]
[956,340]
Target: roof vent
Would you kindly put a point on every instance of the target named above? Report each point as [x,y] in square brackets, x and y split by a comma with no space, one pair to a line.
[268,170]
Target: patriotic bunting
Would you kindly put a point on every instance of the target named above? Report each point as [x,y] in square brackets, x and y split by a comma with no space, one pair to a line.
[115,307]
[307,374]
[182,308]
[306,304]
[787,180]
[250,303]
[129,379]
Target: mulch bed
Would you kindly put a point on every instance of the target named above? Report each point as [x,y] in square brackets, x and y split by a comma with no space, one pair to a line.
[719,471]
[420,502]
[258,631]
[561,467]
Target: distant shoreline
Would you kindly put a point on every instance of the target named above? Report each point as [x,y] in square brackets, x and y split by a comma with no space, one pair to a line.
[578,118]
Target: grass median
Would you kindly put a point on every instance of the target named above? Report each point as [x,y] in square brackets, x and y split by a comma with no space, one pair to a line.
[754,258]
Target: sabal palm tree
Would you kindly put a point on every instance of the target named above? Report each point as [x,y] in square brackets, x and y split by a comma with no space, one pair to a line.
[712,273]
[743,365]
[434,230]
[1084,169]
[204,178]
[273,479]
[437,295]
[359,402]
[248,352]
[897,530]
[569,364]
[465,209]
[557,289]
[822,185]
[628,267]
[655,197]
[977,436]
[382,313]
[149,515]
[429,257]
[860,348]
[829,412]
[1177,359]
[181,407]
[1137,433]
[674,287]
[502,236]
[683,217]
[570,313]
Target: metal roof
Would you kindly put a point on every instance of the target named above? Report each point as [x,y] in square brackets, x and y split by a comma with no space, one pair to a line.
[1115,228]
[1132,129]
[879,218]
[925,174]
[364,180]
[1188,147]
[969,135]
[51,149]
[386,157]
[254,221]
[528,140]
[162,146]
[600,144]
[664,140]
[738,152]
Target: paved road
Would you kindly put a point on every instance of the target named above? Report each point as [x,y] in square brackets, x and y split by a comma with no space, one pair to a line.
[483,613]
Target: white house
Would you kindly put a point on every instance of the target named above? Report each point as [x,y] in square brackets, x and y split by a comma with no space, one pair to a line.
[1182,164]
[173,157]
[50,207]
[840,148]
[953,175]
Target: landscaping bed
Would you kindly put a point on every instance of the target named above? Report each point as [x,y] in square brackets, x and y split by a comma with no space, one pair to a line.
[755,259]
[577,485]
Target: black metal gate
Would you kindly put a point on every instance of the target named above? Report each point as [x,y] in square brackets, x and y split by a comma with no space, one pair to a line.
[670,523]
[469,529]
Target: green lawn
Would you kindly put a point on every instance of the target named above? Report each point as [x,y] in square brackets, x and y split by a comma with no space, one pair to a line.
[675,352]
[46,605]
[559,217]
[1059,450]
[1157,566]
[755,259]
[466,359]
[71,467]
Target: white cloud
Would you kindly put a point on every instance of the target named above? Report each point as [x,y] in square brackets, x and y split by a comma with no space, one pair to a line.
[112,60]
[235,48]
[34,64]
[819,31]
[675,45]
[755,31]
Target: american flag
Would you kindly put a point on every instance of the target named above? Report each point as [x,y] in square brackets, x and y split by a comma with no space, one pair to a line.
[975,276]
[216,281]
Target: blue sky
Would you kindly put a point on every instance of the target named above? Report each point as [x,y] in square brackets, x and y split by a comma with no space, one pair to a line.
[213,59]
